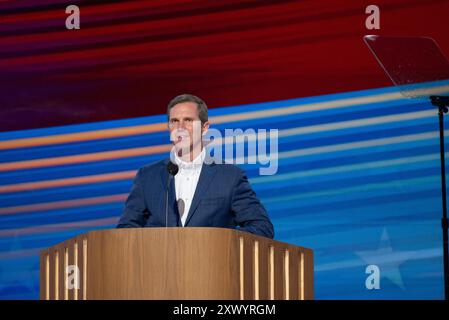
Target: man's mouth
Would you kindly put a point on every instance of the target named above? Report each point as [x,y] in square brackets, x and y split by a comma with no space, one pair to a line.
[180,137]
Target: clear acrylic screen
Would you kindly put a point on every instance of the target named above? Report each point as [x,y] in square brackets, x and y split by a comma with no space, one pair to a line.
[415,64]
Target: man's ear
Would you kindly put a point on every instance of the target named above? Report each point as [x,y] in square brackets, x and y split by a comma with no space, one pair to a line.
[168,124]
[204,128]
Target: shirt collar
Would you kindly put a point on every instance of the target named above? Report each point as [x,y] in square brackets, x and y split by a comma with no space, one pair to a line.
[197,162]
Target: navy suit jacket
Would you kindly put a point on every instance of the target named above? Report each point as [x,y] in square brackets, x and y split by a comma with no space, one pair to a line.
[223,198]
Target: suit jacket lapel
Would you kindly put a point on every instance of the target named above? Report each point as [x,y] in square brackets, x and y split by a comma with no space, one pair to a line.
[206,176]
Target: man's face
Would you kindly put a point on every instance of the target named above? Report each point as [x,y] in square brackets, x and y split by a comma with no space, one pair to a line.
[185,126]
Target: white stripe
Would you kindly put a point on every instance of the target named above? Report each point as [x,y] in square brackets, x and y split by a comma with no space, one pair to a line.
[417,255]
[347,168]
[358,189]
[360,144]
[358,123]
[310,107]
[335,126]
[347,146]
[325,105]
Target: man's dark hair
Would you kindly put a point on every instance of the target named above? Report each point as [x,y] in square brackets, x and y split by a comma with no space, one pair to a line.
[201,105]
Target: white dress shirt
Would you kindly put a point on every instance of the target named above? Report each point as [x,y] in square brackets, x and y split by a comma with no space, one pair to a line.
[186,181]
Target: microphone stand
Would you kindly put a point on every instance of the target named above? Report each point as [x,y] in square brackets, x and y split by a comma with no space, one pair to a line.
[166,200]
[442,102]
[172,170]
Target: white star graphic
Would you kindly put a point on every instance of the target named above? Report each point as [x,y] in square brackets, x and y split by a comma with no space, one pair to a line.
[387,260]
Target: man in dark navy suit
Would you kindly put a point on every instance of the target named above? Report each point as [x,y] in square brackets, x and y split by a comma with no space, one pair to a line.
[202,193]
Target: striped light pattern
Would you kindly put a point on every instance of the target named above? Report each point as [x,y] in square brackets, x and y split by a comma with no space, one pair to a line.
[358,182]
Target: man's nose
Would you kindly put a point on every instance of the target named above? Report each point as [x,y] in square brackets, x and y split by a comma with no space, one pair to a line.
[182,124]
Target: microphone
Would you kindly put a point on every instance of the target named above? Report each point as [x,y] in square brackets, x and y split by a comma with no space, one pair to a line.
[172,169]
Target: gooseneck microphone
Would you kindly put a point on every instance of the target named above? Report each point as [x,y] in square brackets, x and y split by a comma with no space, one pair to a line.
[172,169]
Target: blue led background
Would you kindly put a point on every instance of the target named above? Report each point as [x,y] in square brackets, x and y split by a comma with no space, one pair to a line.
[358,182]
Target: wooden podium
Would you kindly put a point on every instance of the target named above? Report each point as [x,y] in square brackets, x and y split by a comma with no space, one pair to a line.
[175,263]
